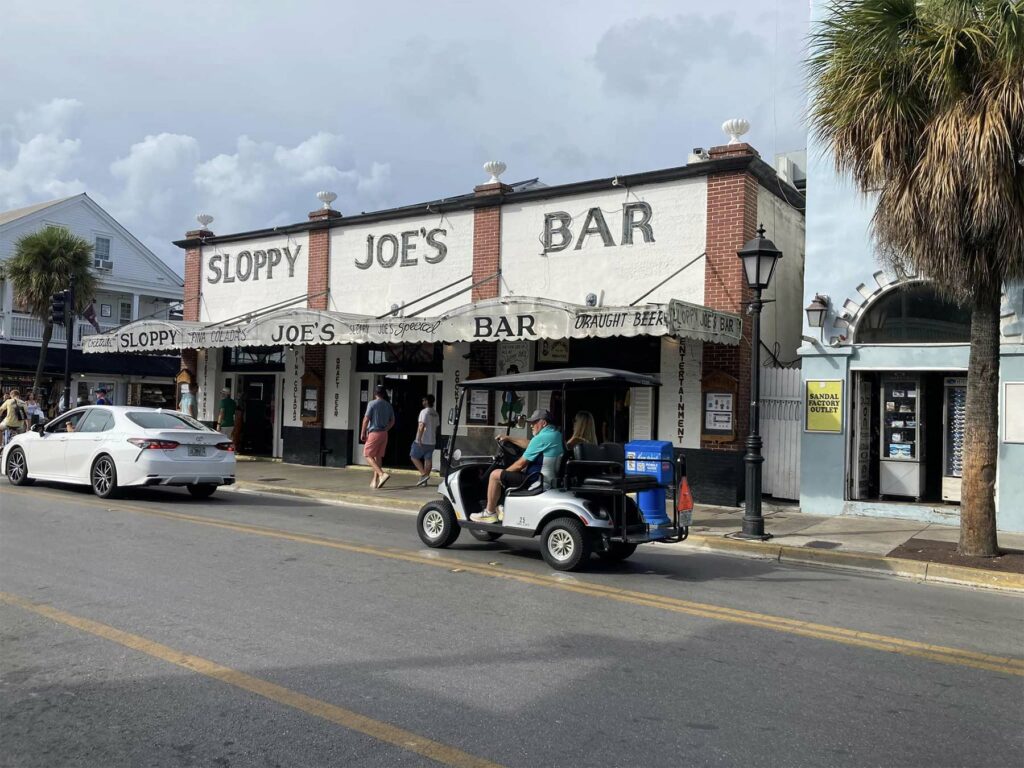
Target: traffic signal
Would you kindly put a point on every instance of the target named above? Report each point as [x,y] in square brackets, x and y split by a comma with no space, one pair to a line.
[59,308]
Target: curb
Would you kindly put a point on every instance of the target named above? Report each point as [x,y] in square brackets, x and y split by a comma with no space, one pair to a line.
[919,570]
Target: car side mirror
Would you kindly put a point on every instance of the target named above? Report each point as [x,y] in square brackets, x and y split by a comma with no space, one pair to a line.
[39,429]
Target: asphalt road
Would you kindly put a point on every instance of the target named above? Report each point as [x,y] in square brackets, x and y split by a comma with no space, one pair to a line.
[261,631]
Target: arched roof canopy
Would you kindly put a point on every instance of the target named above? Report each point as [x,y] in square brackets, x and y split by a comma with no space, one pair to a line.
[913,313]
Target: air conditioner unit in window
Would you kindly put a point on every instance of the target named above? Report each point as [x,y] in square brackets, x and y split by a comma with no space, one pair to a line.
[102,264]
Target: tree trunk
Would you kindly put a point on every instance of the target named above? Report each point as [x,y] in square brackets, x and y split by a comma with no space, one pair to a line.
[47,335]
[981,428]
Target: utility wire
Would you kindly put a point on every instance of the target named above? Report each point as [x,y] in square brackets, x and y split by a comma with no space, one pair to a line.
[687,264]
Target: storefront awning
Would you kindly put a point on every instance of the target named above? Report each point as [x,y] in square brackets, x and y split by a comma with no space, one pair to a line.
[502,319]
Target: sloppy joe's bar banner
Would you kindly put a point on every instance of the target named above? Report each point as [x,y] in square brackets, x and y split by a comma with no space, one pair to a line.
[491,320]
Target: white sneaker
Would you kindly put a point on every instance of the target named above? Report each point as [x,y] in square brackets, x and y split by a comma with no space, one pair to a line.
[484,517]
[422,481]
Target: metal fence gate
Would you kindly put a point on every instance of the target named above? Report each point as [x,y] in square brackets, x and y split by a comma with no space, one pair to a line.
[781,430]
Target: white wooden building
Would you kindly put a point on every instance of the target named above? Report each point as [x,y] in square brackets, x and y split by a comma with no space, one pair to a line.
[133,283]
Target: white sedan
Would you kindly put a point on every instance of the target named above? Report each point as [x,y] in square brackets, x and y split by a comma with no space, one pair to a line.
[111,447]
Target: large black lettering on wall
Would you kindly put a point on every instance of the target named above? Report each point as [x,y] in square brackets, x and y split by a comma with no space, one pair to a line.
[637,217]
[246,266]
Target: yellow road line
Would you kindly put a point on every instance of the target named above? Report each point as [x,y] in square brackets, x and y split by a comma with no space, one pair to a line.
[346,718]
[943,654]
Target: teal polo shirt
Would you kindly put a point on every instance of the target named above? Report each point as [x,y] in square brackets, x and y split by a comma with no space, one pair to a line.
[543,452]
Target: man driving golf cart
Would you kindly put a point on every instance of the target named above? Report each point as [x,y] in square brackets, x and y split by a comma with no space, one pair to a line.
[588,504]
[541,455]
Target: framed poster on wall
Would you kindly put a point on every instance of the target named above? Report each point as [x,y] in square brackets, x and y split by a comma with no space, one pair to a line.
[478,406]
[1013,412]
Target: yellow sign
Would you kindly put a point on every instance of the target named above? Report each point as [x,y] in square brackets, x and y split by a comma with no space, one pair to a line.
[824,405]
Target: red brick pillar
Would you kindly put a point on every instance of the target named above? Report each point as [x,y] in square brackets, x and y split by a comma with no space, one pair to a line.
[487,239]
[193,290]
[731,222]
[318,281]
[486,262]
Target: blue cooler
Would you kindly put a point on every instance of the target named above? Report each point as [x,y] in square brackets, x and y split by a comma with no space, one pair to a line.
[651,457]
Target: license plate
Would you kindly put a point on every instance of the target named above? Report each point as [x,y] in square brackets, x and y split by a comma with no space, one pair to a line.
[197,450]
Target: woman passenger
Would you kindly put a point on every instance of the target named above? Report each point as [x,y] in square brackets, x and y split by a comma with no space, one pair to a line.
[583,431]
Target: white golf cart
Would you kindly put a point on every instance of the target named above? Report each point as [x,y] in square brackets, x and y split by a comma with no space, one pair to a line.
[590,507]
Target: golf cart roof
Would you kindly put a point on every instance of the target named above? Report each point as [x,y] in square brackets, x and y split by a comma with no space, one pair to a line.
[577,378]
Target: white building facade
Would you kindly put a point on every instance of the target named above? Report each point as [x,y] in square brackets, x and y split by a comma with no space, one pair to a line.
[133,283]
[638,272]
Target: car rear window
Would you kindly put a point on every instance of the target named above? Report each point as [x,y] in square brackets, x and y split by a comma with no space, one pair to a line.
[163,420]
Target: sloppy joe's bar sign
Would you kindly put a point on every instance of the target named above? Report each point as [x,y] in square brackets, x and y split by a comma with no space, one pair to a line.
[492,320]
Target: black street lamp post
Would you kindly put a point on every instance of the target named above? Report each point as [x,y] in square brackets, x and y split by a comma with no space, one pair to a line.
[759,257]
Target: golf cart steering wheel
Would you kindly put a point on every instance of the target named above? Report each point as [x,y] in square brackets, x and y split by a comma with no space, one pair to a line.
[509,451]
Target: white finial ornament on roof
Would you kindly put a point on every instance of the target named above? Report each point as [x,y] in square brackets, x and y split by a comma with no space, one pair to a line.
[734,128]
[204,220]
[326,198]
[495,168]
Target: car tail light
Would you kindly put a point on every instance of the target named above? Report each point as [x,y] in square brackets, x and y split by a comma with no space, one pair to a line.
[154,445]
[685,498]
[229,447]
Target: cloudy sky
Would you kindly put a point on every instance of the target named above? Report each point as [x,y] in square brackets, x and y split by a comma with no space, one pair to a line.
[245,110]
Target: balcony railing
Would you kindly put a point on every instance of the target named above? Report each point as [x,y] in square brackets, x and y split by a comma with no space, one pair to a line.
[26,329]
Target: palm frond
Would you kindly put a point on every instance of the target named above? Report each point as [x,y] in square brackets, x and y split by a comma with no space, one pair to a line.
[922,102]
[45,262]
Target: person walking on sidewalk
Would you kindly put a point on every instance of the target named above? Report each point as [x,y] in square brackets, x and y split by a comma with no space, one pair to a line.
[422,451]
[378,421]
[13,416]
[226,413]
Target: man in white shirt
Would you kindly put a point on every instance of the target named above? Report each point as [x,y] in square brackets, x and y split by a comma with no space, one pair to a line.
[422,451]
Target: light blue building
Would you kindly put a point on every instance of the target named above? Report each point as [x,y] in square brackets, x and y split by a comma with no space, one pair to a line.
[896,355]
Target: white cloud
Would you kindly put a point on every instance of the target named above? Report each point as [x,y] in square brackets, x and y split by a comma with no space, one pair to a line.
[38,157]
[157,187]
[261,182]
[54,116]
[154,177]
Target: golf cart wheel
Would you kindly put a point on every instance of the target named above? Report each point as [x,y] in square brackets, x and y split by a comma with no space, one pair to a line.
[437,525]
[103,477]
[564,544]
[617,551]
[486,536]
[17,468]
[201,490]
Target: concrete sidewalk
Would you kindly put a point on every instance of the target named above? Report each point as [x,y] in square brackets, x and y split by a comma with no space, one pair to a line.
[843,542]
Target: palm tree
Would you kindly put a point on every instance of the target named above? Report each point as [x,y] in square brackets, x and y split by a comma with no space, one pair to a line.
[922,102]
[45,263]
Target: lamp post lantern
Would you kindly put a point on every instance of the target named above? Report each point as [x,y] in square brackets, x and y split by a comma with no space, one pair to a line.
[817,310]
[759,257]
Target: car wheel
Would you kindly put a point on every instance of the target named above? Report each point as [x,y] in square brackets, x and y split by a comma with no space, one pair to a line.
[617,551]
[437,525]
[17,468]
[201,490]
[486,536]
[564,544]
[104,477]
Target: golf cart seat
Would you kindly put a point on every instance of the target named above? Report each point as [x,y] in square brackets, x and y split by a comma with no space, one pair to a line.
[534,482]
[602,467]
